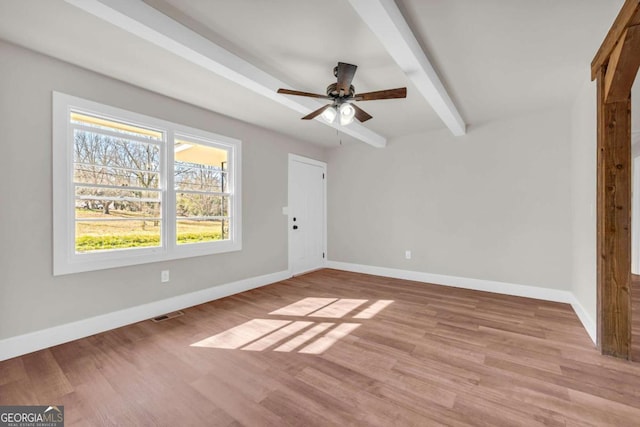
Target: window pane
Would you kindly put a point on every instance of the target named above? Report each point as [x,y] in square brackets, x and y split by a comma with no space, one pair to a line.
[200,170]
[195,231]
[110,175]
[135,202]
[200,167]
[193,178]
[107,160]
[116,219]
[201,205]
[107,235]
[115,126]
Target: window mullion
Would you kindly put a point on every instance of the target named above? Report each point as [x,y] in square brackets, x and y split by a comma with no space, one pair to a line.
[169,193]
[70,189]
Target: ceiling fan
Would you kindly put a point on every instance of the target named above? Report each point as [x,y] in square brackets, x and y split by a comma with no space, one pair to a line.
[342,93]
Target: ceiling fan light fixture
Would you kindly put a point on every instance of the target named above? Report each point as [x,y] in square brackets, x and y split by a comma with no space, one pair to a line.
[343,95]
[329,115]
[347,112]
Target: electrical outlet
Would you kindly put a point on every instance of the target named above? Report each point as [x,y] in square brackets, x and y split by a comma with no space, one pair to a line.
[407,254]
[164,276]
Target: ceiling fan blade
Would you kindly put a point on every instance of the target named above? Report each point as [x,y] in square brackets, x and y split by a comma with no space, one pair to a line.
[299,93]
[345,76]
[361,115]
[400,92]
[316,113]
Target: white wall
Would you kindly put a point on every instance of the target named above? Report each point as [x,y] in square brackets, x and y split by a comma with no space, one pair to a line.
[494,204]
[513,201]
[583,197]
[31,299]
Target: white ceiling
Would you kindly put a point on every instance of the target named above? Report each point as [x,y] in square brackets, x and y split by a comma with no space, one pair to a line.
[496,58]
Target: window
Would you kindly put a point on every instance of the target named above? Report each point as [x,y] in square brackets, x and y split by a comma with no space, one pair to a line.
[131,189]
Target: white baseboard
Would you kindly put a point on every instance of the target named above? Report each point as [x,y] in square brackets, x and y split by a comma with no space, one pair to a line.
[546,294]
[527,291]
[27,343]
[586,320]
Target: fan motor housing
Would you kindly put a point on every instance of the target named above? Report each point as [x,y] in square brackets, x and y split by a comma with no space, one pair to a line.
[332,91]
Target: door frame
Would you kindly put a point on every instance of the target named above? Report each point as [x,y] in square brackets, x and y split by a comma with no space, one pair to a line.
[323,165]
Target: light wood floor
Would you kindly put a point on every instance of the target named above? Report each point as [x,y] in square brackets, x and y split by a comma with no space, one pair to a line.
[434,355]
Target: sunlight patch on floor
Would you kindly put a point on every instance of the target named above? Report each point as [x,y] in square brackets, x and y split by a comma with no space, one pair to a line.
[304,306]
[339,308]
[242,334]
[290,335]
[304,337]
[277,336]
[373,309]
[330,338]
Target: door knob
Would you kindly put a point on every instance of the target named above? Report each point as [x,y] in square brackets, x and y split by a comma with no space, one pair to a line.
[295,227]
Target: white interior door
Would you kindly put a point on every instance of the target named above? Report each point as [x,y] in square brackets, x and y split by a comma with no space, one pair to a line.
[306,214]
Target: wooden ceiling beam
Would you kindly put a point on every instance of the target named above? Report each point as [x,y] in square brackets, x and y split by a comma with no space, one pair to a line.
[148,23]
[629,15]
[386,21]
[623,66]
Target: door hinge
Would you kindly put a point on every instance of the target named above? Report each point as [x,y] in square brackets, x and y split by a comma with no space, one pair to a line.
[322,176]
[322,254]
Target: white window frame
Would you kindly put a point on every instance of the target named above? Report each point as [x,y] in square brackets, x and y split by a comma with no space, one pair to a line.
[65,258]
